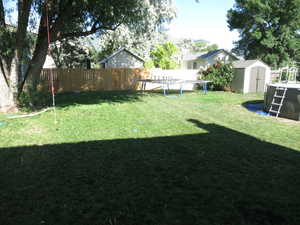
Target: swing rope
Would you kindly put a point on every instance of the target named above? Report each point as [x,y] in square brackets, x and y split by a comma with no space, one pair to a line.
[51,69]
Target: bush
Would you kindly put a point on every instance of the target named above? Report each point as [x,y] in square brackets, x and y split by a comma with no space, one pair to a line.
[32,100]
[221,75]
[149,64]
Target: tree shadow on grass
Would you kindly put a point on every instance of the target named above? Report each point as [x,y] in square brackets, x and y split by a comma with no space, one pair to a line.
[96,97]
[218,177]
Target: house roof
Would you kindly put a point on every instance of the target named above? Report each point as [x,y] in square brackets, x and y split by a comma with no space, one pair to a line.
[246,63]
[216,52]
[191,56]
[203,56]
[117,52]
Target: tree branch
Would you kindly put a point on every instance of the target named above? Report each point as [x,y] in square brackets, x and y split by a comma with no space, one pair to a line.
[23,18]
[93,30]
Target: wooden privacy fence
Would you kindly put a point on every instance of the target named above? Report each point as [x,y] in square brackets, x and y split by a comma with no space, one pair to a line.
[68,80]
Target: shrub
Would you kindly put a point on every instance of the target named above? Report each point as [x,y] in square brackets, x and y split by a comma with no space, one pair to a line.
[221,75]
[32,100]
[149,64]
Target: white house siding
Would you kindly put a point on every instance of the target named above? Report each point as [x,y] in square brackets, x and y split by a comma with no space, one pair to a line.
[49,63]
[124,60]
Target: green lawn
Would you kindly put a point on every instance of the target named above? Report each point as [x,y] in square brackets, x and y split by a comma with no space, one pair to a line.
[119,158]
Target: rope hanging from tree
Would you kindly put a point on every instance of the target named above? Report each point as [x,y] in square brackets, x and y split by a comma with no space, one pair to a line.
[51,69]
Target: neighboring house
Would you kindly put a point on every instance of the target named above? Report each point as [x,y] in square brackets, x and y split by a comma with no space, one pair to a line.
[250,76]
[122,58]
[203,60]
[49,62]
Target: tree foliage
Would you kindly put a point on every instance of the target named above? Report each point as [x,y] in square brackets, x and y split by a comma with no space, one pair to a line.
[127,36]
[70,53]
[140,43]
[203,46]
[196,46]
[269,29]
[164,56]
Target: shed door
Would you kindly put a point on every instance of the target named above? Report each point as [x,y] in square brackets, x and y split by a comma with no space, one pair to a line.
[257,79]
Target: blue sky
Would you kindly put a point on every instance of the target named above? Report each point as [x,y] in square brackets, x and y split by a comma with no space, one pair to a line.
[204,20]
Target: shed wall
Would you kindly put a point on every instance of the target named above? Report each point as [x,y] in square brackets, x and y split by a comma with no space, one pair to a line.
[248,75]
[238,80]
[124,60]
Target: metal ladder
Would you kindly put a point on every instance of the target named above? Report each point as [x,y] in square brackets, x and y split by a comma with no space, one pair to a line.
[277,101]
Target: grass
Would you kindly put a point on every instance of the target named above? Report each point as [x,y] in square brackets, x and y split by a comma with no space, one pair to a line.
[127,158]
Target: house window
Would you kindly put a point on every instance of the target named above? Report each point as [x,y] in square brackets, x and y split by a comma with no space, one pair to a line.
[194,65]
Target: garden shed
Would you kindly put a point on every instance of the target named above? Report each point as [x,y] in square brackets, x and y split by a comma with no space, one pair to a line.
[122,58]
[250,76]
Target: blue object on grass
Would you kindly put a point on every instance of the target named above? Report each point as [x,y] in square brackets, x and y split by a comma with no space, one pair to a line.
[262,113]
[257,108]
[254,107]
[2,124]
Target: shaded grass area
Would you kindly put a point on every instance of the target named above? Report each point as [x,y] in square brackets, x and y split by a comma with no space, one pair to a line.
[197,159]
[96,97]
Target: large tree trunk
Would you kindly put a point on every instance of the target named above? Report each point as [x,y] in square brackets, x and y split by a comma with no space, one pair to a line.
[6,96]
[39,55]
[15,74]
[10,73]
[35,64]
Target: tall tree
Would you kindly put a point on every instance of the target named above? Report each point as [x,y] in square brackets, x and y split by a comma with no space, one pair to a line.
[269,29]
[195,46]
[67,19]
[164,56]
[141,43]
[70,53]
[203,46]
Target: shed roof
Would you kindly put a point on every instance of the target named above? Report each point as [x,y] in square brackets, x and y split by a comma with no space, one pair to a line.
[246,63]
[118,51]
[191,56]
